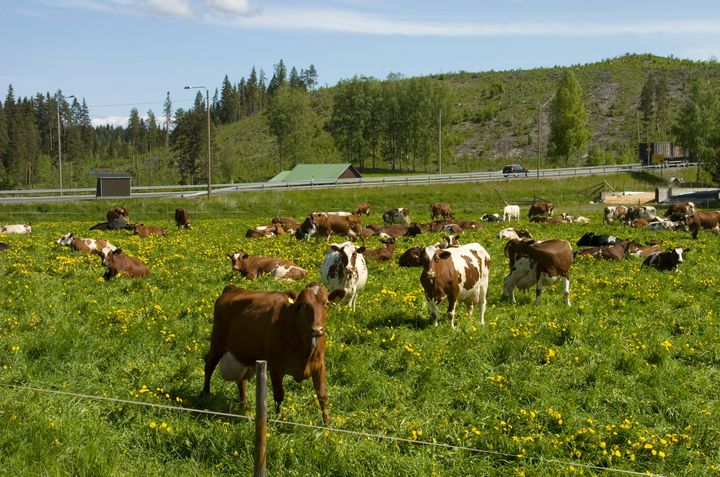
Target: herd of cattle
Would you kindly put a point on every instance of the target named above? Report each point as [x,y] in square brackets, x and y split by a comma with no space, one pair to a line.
[287,328]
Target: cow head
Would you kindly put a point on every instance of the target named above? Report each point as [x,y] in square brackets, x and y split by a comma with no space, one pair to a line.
[680,254]
[65,240]
[310,308]
[108,260]
[348,255]
[307,229]
[237,260]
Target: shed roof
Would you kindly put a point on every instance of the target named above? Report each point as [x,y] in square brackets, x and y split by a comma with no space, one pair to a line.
[308,172]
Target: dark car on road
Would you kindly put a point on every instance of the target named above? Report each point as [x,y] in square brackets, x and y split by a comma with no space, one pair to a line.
[515,169]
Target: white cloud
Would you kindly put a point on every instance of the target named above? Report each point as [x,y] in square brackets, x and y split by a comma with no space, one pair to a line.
[231,7]
[116,121]
[180,8]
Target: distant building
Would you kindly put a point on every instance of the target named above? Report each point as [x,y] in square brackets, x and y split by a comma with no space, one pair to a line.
[111,184]
[317,172]
[659,152]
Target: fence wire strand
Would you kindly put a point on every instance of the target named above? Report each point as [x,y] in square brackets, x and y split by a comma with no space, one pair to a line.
[362,434]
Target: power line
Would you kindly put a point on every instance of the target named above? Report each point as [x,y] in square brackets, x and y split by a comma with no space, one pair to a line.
[336,430]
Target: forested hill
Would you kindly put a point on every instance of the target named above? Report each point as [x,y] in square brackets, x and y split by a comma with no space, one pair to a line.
[491,118]
[484,119]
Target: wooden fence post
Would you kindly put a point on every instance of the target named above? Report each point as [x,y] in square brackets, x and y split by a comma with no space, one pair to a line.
[260,419]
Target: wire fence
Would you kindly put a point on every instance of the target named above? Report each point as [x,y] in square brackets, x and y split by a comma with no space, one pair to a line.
[360,434]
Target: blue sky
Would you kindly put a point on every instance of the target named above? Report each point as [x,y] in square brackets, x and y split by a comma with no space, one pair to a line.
[120,54]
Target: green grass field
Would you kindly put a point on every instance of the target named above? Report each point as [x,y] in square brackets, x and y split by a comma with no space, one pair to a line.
[625,378]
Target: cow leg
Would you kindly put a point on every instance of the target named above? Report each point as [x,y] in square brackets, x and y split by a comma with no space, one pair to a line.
[211,362]
[433,310]
[451,312]
[566,290]
[276,378]
[242,390]
[538,291]
[318,378]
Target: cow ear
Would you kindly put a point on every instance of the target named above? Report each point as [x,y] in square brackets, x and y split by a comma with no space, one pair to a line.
[245,255]
[117,251]
[335,247]
[360,249]
[686,250]
[336,295]
[444,254]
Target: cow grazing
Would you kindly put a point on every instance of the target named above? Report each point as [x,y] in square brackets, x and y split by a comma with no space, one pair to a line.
[397,216]
[252,266]
[511,212]
[146,230]
[703,220]
[117,262]
[460,273]
[182,218]
[323,225]
[85,245]
[265,231]
[537,262]
[4,246]
[543,209]
[441,209]
[666,260]
[16,229]
[511,233]
[678,210]
[344,268]
[362,208]
[117,214]
[589,239]
[286,329]
[614,212]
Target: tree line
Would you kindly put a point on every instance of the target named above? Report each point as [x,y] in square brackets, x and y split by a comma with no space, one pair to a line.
[397,124]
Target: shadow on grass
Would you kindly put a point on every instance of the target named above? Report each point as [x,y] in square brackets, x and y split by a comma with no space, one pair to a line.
[648,178]
[401,320]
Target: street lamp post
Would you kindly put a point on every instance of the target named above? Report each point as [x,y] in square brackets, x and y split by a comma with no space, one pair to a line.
[440,141]
[540,108]
[209,164]
[59,127]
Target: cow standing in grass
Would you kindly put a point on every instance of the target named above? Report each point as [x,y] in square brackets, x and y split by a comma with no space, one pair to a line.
[458,273]
[537,262]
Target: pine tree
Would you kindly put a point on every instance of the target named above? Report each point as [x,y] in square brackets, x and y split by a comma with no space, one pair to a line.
[569,133]
[309,77]
[278,79]
[229,104]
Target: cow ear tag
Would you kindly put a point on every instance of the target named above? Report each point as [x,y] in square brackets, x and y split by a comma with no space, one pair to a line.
[290,300]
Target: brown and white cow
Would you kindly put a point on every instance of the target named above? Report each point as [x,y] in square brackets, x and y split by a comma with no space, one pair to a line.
[397,216]
[362,208]
[666,260]
[678,210]
[265,231]
[647,212]
[614,212]
[16,229]
[616,251]
[511,212]
[324,225]
[664,224]
[146,230]
[537,262]
[512,233]
[576,219]
[344,268]
[458,273]
[703,220]
[288,224]
[543,209]
[441,209]
[645,250]
[252,266]
[182,218]
[86,245]
[119,263]
[286,329]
